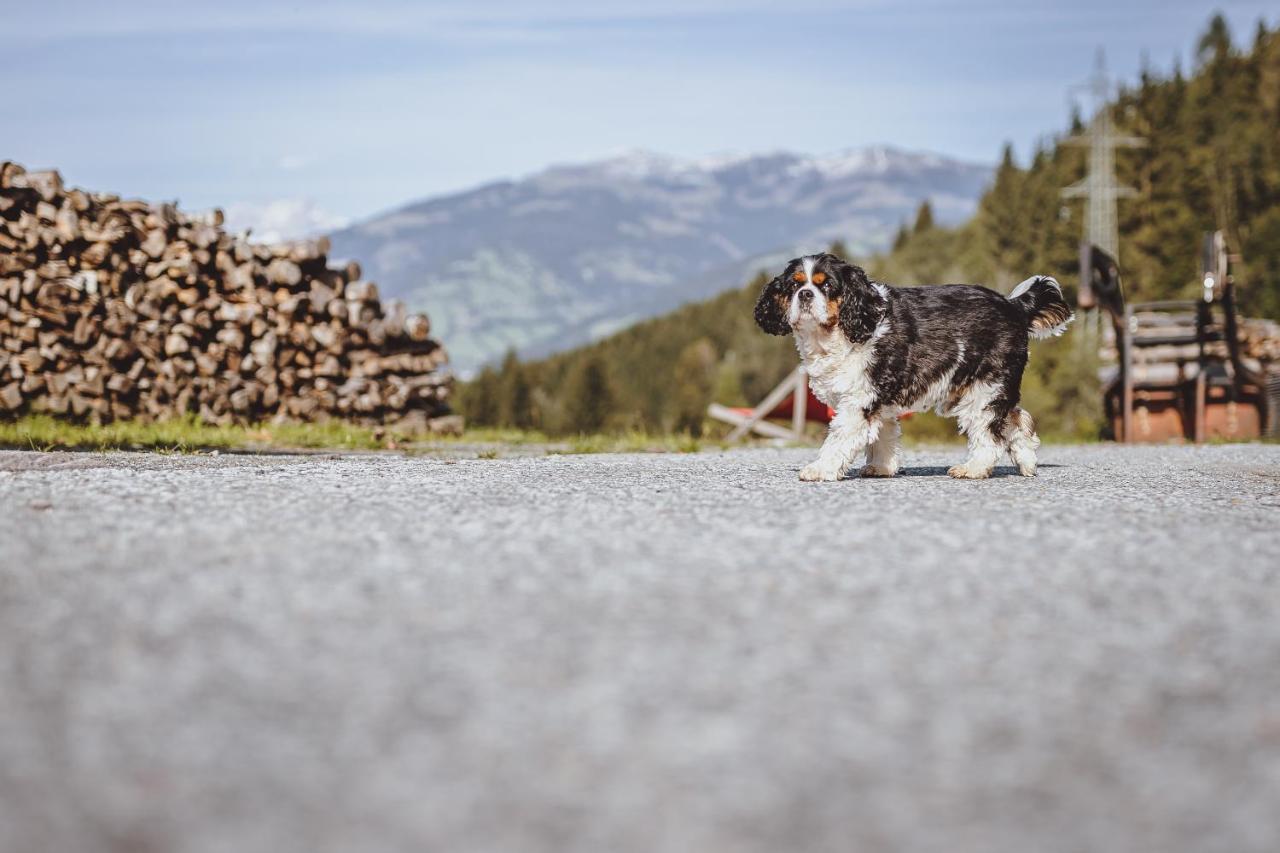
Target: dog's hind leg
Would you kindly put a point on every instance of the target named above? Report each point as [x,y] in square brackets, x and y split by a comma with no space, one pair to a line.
[981,412]
[884,455]
[1020,435]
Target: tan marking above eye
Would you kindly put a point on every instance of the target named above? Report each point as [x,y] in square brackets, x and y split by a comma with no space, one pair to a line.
[797,276]
[818,277]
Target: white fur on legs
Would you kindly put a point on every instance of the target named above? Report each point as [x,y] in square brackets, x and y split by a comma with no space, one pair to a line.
[884,455]
[1020,433]
[975,421]
[983,456]
[848,435]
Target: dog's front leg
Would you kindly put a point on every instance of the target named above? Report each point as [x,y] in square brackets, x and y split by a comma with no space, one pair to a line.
[847,437]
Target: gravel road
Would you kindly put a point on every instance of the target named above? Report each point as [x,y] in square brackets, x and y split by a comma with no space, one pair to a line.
[639,653]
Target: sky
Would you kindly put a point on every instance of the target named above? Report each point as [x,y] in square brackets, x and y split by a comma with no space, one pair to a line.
[300,117]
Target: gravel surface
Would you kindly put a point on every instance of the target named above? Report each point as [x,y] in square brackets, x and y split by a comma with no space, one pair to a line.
[636,653]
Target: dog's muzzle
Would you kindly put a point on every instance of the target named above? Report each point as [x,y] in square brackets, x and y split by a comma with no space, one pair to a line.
[807,302]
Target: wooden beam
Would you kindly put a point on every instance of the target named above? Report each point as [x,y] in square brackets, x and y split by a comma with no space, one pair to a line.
[743,422]
[767,405]
[1126,367]
[799,403]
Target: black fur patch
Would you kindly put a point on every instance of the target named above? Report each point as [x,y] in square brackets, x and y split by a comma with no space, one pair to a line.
[771,307]
[861,305]
[972,333]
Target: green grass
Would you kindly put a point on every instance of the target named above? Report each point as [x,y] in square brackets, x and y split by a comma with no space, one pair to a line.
[187,435]
[633,442]
[190,435]
[494,435]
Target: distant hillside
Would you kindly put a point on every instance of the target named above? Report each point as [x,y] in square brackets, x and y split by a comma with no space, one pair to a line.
[576,252]
[1212,162]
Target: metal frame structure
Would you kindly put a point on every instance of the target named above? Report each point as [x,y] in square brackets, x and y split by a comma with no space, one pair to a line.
[1101,190]
[1100,187]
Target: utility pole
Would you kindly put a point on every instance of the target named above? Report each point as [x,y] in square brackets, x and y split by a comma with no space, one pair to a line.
[1099,187]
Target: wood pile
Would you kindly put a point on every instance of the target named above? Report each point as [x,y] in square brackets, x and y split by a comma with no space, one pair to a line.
[1259,340]
[116,309]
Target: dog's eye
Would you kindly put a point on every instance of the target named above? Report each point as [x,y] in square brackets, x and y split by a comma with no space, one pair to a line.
[818,277]
[798,277]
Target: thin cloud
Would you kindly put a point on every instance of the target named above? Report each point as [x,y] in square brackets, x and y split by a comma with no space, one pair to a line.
[282,219]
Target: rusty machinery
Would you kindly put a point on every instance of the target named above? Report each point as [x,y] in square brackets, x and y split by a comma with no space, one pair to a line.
[1180,371]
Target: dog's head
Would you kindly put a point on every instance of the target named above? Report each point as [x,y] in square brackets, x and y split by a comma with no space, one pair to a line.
[821,292]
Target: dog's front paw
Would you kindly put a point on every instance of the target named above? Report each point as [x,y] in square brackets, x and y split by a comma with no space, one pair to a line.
[878,471]
[815,472]
[964,472]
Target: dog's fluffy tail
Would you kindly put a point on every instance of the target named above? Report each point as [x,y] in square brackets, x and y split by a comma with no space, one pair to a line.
[1048,313]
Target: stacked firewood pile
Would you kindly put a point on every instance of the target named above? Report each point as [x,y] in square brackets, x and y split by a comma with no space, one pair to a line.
[1259,339]
[114,309]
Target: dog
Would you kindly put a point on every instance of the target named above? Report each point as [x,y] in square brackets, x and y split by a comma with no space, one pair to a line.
[874,352]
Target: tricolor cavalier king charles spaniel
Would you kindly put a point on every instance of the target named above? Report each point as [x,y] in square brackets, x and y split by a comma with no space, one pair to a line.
[873,352]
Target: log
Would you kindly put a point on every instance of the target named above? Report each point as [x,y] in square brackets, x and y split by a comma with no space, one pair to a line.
[362,291]
[418,327]
[11,396]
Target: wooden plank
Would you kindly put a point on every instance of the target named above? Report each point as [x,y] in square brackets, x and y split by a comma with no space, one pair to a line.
[800,402]
[770,402]
[1126,412]
[765,428]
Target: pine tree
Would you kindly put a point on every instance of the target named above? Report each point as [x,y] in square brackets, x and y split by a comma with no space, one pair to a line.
[728,385]
[515,405]
[1077,123]
[924,218]
[588,397]
[695,376]
[900,239]
[1002,224]
[480,400]
[1215,44]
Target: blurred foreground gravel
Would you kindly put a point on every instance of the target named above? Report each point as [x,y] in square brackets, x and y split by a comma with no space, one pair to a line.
[635,653]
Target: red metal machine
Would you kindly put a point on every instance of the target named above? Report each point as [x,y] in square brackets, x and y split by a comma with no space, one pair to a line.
[1182,372]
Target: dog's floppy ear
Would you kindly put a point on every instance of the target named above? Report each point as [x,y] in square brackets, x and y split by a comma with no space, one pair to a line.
[772,307]
[861,307]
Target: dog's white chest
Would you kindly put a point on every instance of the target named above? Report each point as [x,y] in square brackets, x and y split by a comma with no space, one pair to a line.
[837,369]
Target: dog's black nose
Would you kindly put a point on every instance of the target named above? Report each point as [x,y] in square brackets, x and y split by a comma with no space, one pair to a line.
[806,295]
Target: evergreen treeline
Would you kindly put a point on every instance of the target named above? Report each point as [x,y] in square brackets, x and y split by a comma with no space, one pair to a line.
[1211,162]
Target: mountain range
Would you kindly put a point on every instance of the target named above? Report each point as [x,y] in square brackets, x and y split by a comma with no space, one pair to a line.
[575,252]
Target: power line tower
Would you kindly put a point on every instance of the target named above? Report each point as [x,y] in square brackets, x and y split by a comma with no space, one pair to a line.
[1099,187]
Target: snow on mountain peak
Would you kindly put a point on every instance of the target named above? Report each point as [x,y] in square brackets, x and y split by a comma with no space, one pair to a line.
[643,165]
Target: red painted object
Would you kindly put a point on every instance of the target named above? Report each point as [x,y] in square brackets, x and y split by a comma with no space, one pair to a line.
[815,410]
